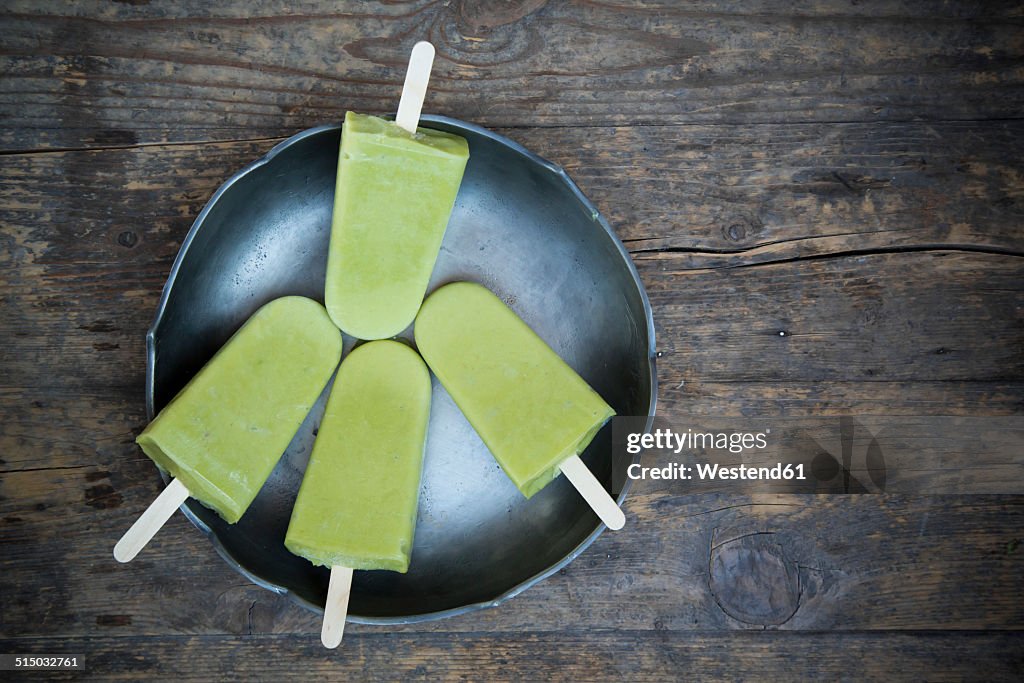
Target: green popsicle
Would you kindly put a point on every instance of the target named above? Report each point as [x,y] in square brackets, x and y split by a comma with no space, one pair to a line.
[530,408]
[357,504]
[395,191]
[223,433]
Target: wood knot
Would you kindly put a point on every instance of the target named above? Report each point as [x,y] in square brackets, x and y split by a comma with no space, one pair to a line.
[742,229]
[737,232]
[128,239]
[753,581]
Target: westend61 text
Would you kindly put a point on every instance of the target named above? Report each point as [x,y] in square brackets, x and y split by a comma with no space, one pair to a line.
[713,471]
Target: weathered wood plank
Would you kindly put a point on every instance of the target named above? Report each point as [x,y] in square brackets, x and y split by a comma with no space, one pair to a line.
[730,196]
[576,655]
[859,562]
[116,74]
[845,173]
[724,196]
[843,320]
[124,212]
[960,318]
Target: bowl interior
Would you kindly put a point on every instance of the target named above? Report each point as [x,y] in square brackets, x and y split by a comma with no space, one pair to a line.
[520,228]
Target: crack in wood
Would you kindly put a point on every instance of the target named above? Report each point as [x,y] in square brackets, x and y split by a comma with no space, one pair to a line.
[738,505]
[139,145]
[44,469]
[249,616]
[844,254]
[741,251]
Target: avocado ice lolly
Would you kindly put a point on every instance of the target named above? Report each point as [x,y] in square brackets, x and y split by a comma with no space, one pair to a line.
[530,408]
[357,504]
[394,194]
[223,433]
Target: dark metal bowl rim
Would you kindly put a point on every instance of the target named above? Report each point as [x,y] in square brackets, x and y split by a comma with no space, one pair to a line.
[183,251]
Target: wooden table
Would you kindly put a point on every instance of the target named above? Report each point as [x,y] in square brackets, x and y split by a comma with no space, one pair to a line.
[848,174]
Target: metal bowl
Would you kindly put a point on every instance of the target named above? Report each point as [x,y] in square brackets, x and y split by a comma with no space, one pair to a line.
[521,228]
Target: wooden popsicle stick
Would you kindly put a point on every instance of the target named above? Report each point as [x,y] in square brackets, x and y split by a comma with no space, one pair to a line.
[150,521]
[593,492]
[415,88]
[336,609]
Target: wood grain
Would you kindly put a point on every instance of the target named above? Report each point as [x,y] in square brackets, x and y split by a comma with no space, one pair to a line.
[847,174]
[838,290]
[103,227]
[861,562]
[575,655]
[116,74]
